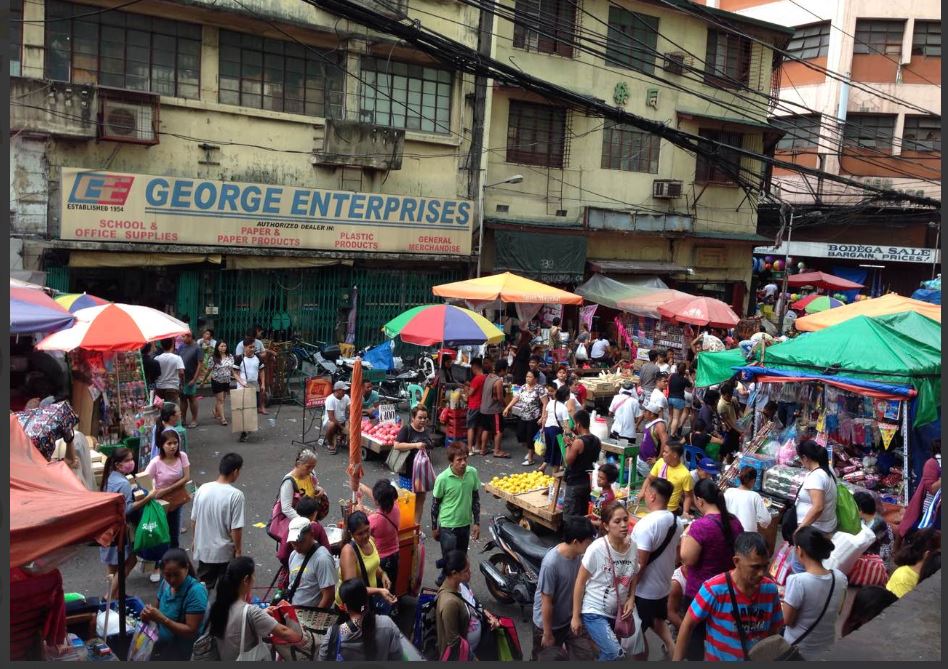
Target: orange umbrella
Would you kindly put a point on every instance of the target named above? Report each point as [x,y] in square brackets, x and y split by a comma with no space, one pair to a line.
[356,391]
[506,287]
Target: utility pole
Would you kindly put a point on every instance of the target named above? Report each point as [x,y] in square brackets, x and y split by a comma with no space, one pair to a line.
[476,156]
[783,300]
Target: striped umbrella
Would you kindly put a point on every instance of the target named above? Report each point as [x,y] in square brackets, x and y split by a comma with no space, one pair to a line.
[432,324]
[76,301]
[114,327]
[821,303]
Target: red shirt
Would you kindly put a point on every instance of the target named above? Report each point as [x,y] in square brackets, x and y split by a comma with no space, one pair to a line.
[581,394]
[477,388]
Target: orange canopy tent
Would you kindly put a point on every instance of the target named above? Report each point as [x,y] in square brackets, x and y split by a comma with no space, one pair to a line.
[506,287]
[879,306]
[49,508]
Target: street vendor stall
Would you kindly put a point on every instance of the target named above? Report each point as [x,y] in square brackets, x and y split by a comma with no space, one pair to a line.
[879,306]
[533,496]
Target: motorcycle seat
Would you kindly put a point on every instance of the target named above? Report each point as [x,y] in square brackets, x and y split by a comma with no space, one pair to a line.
[332,353]
[524,541]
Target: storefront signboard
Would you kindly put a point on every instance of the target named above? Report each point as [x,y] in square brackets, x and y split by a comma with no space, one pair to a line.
[874,252]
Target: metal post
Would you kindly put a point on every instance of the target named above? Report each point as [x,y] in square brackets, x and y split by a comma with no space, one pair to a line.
[786,275]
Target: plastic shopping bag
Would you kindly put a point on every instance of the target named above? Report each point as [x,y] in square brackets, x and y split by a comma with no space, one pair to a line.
[143,643]
[539,444]
[152,528]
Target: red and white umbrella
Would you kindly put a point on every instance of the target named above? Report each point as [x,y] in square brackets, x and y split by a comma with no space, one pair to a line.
[114,327]
[700,311]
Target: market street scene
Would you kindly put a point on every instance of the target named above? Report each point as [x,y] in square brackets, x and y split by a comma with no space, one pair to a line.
[476,330]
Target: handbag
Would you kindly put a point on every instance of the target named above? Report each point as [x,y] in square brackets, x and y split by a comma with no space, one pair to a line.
[396,460]
[278,526]
[259,653]
[422,474]
[307,649]
[623,627]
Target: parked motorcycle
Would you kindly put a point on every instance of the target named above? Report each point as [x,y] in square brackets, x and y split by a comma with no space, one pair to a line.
[511,575]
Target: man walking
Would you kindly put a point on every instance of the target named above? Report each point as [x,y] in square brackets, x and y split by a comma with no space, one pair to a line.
[553,602]
[217,521]
[249,368]
[492,405]
[657,536]
[336,414]
[648,374]
[581,454]
[455,504]
[192,355]
[170,380]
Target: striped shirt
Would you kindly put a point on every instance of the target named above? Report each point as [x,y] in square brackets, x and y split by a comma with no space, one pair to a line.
[760,615]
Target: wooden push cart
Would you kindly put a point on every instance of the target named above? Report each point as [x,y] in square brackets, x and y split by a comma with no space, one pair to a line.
[535,506]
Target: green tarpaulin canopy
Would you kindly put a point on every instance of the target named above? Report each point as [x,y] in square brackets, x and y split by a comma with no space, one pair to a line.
[607,292]
[914,325]
[716,367]
[554,259]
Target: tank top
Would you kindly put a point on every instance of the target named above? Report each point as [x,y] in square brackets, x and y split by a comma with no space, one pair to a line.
[649,448]
[371,562]
[578,472]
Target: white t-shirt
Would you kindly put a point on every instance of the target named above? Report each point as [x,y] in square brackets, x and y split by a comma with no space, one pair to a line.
[320,573]
[339,407]
[248,369]
[618,399]
[257,345]
[748,507]
[217,509]
[169,363]
[658,397]
[626,416]
[599,348]
[807,593]
[600,597]
[818,480]
[679,578]
[770,289]
[556,414]
[648,534]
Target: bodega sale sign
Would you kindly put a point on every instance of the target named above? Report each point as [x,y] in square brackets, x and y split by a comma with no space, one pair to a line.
[139,208]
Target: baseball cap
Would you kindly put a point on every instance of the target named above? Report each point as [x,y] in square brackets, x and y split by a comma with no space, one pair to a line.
[628,385]
[709,465]
[340,385]
[298,526]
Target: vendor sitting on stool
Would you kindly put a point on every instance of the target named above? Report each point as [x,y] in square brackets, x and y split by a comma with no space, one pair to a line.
[370,401]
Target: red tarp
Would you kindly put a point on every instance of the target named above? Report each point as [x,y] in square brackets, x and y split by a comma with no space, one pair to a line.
[49,507]
[822,280]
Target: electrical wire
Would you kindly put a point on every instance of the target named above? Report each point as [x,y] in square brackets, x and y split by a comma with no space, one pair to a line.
[76,16]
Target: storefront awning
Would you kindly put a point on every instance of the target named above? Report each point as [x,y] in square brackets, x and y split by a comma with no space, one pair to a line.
[555,259]
[119,259]
[635,267]
[280,262]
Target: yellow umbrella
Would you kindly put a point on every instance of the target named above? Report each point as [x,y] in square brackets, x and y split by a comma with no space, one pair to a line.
[506,287]
[879,306]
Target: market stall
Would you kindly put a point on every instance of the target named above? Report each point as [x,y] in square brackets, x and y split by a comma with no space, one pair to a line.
[531,495]
[878,306]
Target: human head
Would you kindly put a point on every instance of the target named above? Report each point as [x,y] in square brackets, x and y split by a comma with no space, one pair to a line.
[300,534]
[187,338]
[456,567]
[608,474]
[446,358]
[562,393]
[751,558]
[581,421]
[708,494]
[170,443]
[727,391]
[230,465]
[477,365]
[367,387]
[534,362]
[487,365]
[812,455]
[167,344]
[530,378]
[556,321]
[663,355]
[578,533]
[339,389]
[711,398]
[811,544]
[652,409]
[220,350]
[385,494]
[500,368]
[930,565]
[233,585]
[661,381]
[358,527]
[915,547]
[176,567]
[615,521]
[551,388]
[562,373]
[708,468]
[170,414]
[419,417]
[865,502]
[207,334]
[870,601]
[748,477]
[305,462]
[307,507]
[770,410]
[249,347]
[121,460]
[457,457]
[653,355]
[673,452]
[658,494]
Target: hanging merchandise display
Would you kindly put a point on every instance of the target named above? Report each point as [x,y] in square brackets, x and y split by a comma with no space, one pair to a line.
[645,333]
[118,378]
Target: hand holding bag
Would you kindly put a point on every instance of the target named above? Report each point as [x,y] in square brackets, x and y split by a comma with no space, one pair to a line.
[422,475]
[624,627]
[259,653]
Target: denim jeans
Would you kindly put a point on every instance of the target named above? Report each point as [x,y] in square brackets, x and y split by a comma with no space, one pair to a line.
[599,628]
[452,538]
[174,526]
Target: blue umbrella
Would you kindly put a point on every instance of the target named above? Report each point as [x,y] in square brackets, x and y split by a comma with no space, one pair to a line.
[33,310]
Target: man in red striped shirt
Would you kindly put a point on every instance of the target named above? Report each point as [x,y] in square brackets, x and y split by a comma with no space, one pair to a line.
[758,605]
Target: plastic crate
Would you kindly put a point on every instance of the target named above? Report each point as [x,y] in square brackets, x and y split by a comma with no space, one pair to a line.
[760,463]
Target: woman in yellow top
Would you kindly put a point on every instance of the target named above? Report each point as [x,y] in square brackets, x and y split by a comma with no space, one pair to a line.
[670,468]
[299,482]
[910,559]
[360,559]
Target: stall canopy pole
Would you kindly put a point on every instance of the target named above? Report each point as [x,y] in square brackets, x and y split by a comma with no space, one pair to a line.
[906,474]
[121,578]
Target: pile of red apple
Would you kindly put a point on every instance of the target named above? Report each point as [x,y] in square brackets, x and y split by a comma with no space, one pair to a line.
[384,433]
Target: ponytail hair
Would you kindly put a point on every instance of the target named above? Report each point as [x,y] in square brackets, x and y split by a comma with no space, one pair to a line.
[117,456]
[813,451]
[813,543]
[228,587]
[708,490]
[355,596]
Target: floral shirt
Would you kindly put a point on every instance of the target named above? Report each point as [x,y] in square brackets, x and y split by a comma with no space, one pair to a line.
[221,372]
[529,402]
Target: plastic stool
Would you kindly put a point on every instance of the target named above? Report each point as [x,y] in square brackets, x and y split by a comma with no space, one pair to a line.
[415,393]
[693,455]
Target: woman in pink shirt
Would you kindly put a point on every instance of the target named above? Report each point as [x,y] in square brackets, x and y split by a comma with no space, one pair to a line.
[169,471]
[383,526]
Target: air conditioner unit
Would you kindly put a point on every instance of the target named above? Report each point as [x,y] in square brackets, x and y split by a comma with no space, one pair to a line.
[666,189]
[355,144]
[674,62]
[127,116]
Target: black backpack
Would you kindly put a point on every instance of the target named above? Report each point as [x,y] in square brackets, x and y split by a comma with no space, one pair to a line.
[426,632]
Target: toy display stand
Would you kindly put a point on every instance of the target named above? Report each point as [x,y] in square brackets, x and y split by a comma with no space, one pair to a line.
[118,378]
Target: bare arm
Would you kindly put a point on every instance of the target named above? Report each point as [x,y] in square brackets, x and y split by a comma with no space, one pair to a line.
[684,636]
[674,603]
[546,613]
[818,499]
[237,536]
[579,590]
[790,614]
[690,551]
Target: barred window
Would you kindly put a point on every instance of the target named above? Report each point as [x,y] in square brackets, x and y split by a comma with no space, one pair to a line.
[632,40]
[16,36]
[627,148]
[870,131]
[926,39]
[404,95]
[122,50]
[803,132]
[727,60]
[810,41]
[278,75]
[922,133]
[554,24]
[724,162]
[536,134]
[874,36]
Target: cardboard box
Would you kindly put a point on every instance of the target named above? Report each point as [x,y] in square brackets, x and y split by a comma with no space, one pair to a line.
[145,481]
[243,410]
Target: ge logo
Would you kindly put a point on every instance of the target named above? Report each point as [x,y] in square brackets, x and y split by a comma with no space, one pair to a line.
[621,93]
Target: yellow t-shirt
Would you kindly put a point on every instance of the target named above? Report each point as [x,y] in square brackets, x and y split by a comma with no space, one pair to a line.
[306,485]
[678,476]
[903,580]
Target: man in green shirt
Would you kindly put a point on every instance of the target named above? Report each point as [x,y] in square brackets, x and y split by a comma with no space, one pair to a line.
[455,505]
[370,401]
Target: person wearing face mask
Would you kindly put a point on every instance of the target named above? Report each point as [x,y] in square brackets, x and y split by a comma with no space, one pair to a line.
[179,607]
[117,466]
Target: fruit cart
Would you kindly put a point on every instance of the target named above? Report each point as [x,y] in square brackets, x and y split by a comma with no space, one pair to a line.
[531,497]
[378,438]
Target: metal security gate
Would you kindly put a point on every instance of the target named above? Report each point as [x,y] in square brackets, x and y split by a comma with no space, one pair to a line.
[188,298]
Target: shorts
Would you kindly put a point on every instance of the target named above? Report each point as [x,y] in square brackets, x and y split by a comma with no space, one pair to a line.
[474,418]
[189,390]
[651,610]
[168,394]
[490,422]
[218,387]
[676,403]
[527,429]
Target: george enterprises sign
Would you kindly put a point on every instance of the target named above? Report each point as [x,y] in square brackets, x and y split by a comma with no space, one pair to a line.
[138,208]
[855,252]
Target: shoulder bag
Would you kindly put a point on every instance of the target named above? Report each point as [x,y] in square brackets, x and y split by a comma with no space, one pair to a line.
[279,524]
[260,652]
[299,576]
[654,555]
[623,627]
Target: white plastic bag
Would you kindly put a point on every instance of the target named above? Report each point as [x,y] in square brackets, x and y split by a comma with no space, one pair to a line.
[848,548]
[100,622]
[581,353]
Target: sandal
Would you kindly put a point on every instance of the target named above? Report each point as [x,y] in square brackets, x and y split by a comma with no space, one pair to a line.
[191,426]
[223,421]
[501,455]
[526,463]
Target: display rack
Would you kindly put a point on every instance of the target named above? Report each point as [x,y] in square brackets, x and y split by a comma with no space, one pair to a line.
[119,378]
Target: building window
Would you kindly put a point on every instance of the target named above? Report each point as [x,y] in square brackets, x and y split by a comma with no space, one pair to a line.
[16,36]
[629,149]
[536,134]
[875,36]
[280,76]
[727,61]
[632,40]
[404,95]
[810,41]
[922,133]
[724,163]
[555,26]
[870,131]
[926,40]
[803,132]
[122,50]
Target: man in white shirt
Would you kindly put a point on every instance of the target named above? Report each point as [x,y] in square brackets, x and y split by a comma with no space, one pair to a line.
[626,409]
[335,414]
[769,291]
[168,385]
[600,351]
[657,397]
[248,368]
[745,504]
[217,521]
[312,570]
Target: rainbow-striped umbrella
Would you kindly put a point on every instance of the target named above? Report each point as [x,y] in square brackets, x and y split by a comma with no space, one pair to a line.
[432,324]
[820,303]
[76,301]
